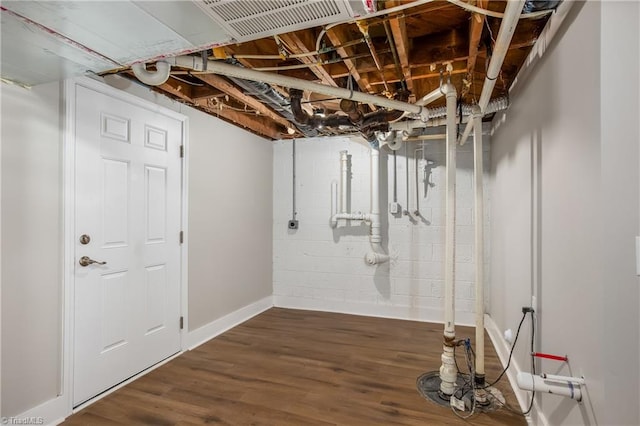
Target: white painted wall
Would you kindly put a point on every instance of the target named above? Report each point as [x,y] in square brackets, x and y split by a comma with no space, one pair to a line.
[565,213]
[31,246]
[230,222]
[316,267]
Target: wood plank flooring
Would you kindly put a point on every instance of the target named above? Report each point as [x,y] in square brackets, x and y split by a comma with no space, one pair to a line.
[292,367]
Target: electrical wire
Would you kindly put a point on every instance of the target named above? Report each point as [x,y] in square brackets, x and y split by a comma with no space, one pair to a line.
[524,315]
[533,360]
[533,368]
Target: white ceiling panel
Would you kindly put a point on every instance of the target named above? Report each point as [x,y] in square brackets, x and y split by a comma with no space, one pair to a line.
[119,30]
[31,56]
[187,19]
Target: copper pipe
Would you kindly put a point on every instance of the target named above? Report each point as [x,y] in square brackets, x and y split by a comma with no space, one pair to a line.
[376,60]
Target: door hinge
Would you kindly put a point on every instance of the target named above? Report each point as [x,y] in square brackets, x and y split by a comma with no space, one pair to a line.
[181,151]
[181,323]
[181,237]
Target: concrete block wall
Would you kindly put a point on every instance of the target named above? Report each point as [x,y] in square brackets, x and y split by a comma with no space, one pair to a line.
[317,267]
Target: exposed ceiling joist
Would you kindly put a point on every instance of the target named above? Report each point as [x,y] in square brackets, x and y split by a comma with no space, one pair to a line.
[222,84]
[300,42]
[401,39]
[261,125]
[475,33]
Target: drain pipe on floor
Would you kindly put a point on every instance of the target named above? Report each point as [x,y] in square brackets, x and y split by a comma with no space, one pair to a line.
[448,370]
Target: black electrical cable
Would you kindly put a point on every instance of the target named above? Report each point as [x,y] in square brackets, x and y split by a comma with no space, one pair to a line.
[524,315]
[533,360]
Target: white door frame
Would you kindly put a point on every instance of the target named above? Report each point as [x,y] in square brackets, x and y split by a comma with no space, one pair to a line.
[68,270]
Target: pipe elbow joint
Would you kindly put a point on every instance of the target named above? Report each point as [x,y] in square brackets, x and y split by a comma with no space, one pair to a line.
[449,90]
[333,222]
[152,78]
[373,258]
[476,112]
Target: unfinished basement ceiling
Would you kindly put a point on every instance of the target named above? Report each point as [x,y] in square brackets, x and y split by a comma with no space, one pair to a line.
[349,44]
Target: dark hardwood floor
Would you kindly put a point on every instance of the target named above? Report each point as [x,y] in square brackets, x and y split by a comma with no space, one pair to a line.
[292,367]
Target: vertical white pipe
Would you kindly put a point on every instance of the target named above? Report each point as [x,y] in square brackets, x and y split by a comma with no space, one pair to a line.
[479,238]
[344,160]
[334,204]
[448,371]
[377,254]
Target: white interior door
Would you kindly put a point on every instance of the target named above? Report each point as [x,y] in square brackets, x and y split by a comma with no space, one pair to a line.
[128,207]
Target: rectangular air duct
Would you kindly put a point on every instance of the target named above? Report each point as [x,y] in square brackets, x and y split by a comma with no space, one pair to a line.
[253,19]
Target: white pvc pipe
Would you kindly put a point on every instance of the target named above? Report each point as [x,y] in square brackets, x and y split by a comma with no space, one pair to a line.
[222,68]
[432,96]
[448,370]
[505,34]
[377,254]
[333,222]
[334,204]
[569,388]
[478,167]
[152,78]
[577,380]
[344,170]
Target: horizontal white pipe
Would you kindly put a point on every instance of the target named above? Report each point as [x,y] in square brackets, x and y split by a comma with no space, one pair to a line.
[577,380]
[222,68]
[349,216]
[152,78]
[529,382]
[505,34]
[432,96]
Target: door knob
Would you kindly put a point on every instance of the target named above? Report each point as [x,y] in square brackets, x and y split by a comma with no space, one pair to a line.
[86,261]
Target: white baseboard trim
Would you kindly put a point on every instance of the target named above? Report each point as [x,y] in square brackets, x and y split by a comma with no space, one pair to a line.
[536,417]
[50,413]
[54,411]
[207,332]
[371,310]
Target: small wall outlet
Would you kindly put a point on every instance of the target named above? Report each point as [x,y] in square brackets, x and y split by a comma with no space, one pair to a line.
[293,224]
[394,208]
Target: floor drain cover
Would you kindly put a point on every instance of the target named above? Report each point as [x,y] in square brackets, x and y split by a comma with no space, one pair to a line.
[428,385]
